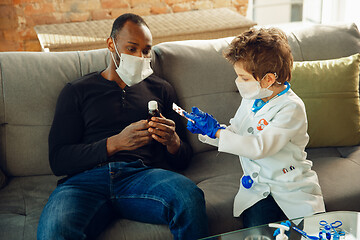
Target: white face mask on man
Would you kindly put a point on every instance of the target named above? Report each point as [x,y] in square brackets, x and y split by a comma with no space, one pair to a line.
[132,70]
[252,89]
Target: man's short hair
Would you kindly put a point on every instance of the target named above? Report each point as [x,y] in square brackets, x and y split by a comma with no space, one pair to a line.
[262,51]
[122,19]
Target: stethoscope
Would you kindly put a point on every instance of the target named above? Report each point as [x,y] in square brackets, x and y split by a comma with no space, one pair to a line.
[259,103]
[247,181]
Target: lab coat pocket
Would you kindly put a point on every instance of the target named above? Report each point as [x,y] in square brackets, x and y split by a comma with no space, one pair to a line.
[289,174]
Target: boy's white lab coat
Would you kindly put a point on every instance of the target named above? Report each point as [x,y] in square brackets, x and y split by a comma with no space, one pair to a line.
[270,145]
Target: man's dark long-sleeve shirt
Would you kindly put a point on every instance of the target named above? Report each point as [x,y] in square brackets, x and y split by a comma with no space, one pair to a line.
[92,108]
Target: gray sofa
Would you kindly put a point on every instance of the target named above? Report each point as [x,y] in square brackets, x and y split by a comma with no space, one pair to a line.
[31,82]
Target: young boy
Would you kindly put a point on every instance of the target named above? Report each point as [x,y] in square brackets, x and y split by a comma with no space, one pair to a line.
[268,132]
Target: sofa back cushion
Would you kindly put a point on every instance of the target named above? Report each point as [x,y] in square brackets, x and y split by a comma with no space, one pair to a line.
[201,77]
[330,91]
[322,42]
[30,85]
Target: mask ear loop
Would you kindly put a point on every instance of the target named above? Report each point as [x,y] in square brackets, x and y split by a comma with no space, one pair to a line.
[276,77]
[116,53]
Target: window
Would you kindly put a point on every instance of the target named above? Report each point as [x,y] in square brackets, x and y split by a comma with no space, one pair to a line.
[314,11]
[326,11]
[275,11]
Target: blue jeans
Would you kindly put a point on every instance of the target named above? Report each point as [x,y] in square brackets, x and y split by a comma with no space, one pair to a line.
[85,204]
[263,212]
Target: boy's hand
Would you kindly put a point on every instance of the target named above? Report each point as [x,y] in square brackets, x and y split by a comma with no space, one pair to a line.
[204,123]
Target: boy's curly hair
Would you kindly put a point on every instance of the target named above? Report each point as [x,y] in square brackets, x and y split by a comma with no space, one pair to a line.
[262,51]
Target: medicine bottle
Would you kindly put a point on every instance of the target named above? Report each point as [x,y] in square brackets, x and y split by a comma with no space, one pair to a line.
[153,109]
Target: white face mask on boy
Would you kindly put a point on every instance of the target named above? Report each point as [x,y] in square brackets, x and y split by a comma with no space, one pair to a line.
[132,70]
[253,90]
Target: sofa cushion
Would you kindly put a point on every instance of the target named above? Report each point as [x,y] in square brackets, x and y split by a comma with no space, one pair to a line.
[128,229]
[219,193]
[330,91]
[339,180]
[201,76]
[21,203]
[30,83]
[321,42]
[338,171]
[211,164]
[310,41]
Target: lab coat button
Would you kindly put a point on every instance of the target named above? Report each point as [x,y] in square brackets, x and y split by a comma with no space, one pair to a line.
[255,174]
[265,194]
[250,130]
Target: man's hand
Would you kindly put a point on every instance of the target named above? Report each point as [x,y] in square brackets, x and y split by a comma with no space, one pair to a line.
[163,131]
[132,137]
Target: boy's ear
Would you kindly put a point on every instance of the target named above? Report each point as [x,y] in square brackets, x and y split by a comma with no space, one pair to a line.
[270,78]
[110,44]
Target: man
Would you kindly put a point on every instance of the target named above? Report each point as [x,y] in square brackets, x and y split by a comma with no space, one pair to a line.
[111,154]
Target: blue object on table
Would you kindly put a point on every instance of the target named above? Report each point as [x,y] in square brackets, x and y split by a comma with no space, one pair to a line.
[277,231]
[247,182]
[204,123]
[305,235]
[329,230]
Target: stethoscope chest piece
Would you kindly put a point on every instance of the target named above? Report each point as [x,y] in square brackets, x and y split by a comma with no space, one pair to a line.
[247,182]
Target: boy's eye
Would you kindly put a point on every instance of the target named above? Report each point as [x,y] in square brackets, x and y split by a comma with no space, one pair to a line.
[132,49]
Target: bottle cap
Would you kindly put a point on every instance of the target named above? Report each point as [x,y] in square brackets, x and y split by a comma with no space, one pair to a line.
[283,228]
[152,105]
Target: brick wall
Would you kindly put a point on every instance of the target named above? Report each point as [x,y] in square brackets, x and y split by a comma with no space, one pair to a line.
[18,17]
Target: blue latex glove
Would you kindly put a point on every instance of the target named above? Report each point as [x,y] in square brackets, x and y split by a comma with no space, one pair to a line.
[191,126]
[193,129]
[204,123]
[277,231]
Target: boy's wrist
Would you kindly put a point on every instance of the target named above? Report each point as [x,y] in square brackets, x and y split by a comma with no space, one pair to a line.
[217,134]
